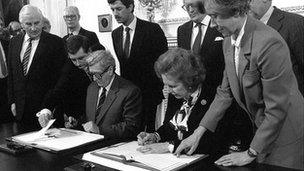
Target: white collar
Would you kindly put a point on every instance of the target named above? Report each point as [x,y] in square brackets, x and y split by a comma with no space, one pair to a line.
[205,21]
[75,32]
[132,25]
[267,15]
[237,42]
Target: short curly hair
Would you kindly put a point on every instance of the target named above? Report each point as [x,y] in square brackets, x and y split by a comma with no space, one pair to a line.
[229,8]
[183,66]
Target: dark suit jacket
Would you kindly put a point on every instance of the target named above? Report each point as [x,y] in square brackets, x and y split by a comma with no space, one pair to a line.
[70,91]
[211,52]
[291,28]
[92,37]
[28,91]
[148,44]
[119,116]
[167,131]
[266,88]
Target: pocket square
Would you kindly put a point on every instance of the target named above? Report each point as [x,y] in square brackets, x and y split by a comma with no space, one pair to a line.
[218,39]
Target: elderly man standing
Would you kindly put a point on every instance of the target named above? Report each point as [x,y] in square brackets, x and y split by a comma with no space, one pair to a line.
[113,106]
[71,17]
[291,28]
[258,75]
[35,60]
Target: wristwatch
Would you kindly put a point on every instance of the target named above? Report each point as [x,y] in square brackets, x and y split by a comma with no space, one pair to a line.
[252,153]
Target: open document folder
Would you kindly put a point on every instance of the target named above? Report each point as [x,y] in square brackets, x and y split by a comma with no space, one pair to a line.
[124,156]
[56,139]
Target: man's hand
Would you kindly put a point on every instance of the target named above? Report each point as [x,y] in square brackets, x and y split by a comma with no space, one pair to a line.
[235,159]
[70,122]
[13,109]
[144,138]
[91,127]
[190,144]
[44,116]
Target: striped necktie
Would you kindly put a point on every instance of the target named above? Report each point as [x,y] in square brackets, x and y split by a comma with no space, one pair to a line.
[102,98]
[26,56]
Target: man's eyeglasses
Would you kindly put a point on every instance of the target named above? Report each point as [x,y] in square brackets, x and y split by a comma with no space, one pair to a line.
[99,75]
[71,17]
[187,6]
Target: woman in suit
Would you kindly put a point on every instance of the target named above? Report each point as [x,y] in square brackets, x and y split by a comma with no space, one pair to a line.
[184,74]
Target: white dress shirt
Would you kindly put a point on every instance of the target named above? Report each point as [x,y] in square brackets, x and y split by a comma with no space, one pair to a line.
[205,24]
[267,15]
[26,41]
[237,46]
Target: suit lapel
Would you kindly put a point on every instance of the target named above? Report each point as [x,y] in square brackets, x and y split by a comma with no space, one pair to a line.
[109,99]
[118,38]
[18,46]
[38,54]
[137,38]
[208,39]
[92,102]
[188,34]
[275,19]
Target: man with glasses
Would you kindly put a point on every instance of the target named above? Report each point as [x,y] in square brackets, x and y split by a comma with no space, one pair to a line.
[71,17]
[113,106]
[69,93]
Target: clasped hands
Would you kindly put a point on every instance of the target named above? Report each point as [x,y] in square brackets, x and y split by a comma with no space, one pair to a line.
[45,115]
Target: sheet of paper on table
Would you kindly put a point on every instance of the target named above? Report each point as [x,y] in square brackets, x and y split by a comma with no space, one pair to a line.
[57,139]
[165,161]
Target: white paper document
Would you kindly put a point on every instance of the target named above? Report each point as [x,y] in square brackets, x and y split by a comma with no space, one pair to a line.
[165,161]
[57,139]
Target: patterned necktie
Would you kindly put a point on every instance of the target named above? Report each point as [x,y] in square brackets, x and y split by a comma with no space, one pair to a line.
[26,56]
[3,67]
[197,42]
[102,98]
[127,43]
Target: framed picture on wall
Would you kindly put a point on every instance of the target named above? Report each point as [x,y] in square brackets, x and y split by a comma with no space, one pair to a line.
[105,23]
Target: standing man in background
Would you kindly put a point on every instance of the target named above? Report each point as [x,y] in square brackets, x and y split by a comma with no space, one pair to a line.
[35,60]
[138,44]
[291,28]
[71,17]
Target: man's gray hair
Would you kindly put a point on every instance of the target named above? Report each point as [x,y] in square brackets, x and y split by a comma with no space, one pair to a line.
[29,10]
[103,58]
[72,8]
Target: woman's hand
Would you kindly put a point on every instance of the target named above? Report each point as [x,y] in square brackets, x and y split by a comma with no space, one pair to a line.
[144,138]
[156,148]
[190,144]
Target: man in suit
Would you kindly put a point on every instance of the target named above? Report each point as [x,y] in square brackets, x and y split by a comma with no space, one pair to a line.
[258,75]
[198,36]
[70,91]
[35,60]
[291,28]
[113,105]
[71,17]
[138,44]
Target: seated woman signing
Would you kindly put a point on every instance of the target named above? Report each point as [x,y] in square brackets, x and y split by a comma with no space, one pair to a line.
[184,74]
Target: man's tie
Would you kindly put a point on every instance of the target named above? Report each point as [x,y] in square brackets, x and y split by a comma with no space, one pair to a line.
[126,49]
[197,42]
[26,56]
[102,98]
[3,67]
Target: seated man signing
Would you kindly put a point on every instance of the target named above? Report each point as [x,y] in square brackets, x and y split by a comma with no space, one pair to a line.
[113,104]
[184,74]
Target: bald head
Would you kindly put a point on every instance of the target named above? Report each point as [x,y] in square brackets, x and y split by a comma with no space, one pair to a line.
[30,18]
